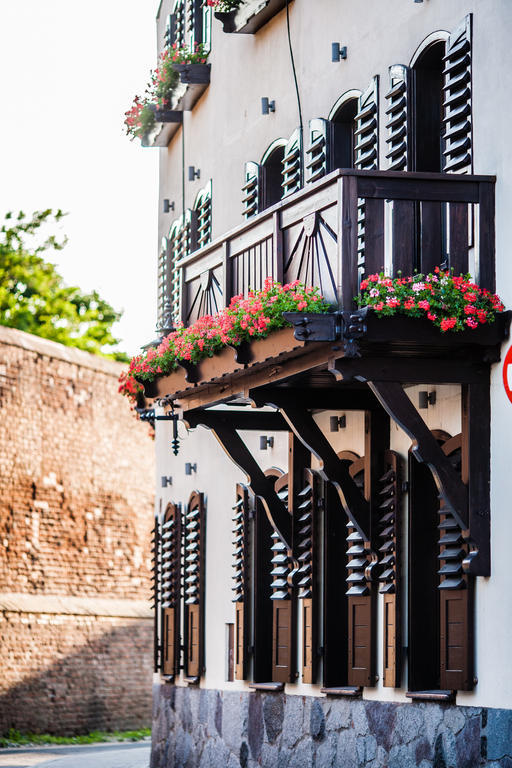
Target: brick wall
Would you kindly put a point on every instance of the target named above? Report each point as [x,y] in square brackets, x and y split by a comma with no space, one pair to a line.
[76,509]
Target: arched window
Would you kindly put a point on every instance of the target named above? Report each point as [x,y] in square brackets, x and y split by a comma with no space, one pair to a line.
[271,167]
[343,128]
[427,113]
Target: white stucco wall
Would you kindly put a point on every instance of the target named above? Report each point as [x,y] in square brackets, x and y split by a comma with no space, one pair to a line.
[224,130]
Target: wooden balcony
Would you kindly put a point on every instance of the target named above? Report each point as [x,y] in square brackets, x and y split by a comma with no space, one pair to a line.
[251,16]
[347,225]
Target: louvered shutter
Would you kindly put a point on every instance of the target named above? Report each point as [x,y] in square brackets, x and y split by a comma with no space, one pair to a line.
[306,549]
[317,154]
[195,22]
[203,216]
[194,572]
[292,164]
[170,30]
[456,595]
[361,599]
[457,119]
[366,148]
[390,545]
[171,588]
[156,593]
[251,190]
[262,591]
[164,281]
[398,118]
[335,611]
[177,34]
[241,587]
[283,634]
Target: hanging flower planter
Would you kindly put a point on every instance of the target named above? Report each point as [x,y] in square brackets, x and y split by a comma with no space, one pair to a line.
[194,74]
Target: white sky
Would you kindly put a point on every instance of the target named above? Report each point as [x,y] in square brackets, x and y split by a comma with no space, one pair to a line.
[68,71]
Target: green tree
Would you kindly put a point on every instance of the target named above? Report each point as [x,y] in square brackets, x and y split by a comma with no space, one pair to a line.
[34,297]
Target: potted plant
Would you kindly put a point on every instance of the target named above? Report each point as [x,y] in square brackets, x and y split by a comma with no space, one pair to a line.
[225,11]
[191,64]
[145,111]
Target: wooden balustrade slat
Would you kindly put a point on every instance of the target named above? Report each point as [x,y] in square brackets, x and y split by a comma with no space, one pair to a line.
[458,218]
[432,252]
[404,237]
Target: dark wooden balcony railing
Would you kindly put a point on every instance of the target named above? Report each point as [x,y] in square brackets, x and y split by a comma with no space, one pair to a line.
[347,225]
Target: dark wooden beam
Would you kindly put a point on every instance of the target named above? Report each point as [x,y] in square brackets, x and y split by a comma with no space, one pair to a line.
[332,468]
[336,398]
[406,370]
[240,455]
[262,421]
[425,447]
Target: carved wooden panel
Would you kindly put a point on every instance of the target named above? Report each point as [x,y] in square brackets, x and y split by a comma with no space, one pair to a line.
[310,249]
[204,295]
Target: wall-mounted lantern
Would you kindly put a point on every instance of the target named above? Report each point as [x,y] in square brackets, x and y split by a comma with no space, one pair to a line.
[266,442]
[338,52]
[337,422]
[267,106]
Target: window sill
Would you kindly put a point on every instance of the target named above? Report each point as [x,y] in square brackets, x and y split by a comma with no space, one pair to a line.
[344,690]
[269,687]
[448,696]
[251,16]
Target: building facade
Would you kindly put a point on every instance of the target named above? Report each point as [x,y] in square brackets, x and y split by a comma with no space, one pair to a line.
[331,570]
[75,522]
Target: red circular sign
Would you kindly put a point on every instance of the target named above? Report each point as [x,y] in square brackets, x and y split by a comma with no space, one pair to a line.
[507,374]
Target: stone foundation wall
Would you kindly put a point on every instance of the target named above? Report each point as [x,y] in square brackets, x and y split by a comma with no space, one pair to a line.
[222,729]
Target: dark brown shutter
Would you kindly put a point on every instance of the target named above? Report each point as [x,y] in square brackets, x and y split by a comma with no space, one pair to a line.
[317,153]
[195,22]
[390,548]
[292,164]
[203,218]
[398,118]
[171,567]
[241,586]
[283,634]
[194,572]
[457,119]
[177,26]
[263,605]
[251,201]
[335,619]
[164,281]
[306,549]
[456,595]
[156,578]
[367,148]
[361,597]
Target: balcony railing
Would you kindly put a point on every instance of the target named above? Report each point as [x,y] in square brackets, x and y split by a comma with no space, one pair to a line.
[347,225]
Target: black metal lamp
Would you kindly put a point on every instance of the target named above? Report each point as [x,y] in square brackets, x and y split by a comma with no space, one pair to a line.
[266,442]
[189,468]
[338,52]
[267,105]
[168,205]
[337,422]
[193,173]
[426,398]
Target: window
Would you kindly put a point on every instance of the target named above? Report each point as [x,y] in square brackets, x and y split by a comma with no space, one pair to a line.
[203,216]
[271,166]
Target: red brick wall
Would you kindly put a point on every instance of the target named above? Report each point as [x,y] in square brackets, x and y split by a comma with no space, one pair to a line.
[76,509]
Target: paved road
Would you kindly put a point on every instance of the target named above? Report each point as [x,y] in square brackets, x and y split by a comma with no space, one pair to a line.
[132,755]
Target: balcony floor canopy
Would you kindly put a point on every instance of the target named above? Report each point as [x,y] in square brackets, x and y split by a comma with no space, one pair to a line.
[352,361]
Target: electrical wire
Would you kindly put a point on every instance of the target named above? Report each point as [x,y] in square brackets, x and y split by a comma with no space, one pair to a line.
[290,47]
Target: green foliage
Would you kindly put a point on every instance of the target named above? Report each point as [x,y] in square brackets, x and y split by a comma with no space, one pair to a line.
[16,738]
[33,296]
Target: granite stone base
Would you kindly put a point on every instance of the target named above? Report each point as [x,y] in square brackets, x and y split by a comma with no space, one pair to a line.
[199,728]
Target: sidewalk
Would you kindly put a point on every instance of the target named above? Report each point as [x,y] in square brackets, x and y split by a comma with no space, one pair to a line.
[111,755]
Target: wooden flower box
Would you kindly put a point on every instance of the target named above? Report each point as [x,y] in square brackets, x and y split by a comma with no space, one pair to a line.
[167,122]
[250,17]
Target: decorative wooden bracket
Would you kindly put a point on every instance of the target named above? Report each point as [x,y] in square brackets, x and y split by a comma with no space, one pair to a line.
[425,447]
[225,431]
[332,468]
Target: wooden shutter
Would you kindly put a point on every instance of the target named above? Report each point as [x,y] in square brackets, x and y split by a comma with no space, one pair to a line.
[283,634]
[170,30]
[361,597]
[335,618]
[262,591]
[171,545]
[164,281]
[195,22]
[241,587]
[456,595]
[457,119]
[317,153]
[306,549]
[292,164]
[390,535]
[156,578]
[194,571]
[177,24]
[398,119]
[203,216]
[251,190]
[366,148]
[176,252]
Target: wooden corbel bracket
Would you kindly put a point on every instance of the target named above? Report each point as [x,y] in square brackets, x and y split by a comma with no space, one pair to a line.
[262,486]
[332,468]
[426,449]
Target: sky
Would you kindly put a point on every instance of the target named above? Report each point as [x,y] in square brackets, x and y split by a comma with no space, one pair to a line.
[68,72]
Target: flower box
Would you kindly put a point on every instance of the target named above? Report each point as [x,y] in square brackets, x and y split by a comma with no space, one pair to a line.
[251,16]
[276,345]
[194,74]
[167,122]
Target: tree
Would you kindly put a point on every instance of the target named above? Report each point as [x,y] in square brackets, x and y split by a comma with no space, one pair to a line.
[34,297]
